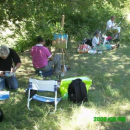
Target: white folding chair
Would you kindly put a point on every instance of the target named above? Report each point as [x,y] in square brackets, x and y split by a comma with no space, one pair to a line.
[43,85]
[4,95]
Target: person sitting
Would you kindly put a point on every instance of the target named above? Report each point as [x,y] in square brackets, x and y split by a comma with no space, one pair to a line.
[42,59]
[96,43]
[8,57]
[112,28]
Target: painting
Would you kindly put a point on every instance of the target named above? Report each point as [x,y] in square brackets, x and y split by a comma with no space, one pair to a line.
[60,41]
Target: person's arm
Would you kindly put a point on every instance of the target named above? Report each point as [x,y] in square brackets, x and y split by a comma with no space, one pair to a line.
[95,42]
[48,54]
[99,42]
[16,60]
[110,25]
[50,58]
[16,67]
[113,25]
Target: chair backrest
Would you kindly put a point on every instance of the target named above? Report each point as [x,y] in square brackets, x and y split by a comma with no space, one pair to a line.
[46,85]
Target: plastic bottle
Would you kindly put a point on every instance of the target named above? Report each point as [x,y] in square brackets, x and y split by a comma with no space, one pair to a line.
[40,73]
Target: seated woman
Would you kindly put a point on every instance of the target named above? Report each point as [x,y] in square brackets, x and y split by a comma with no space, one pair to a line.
[96,43]
[42,58]
[8,57]
[112,28]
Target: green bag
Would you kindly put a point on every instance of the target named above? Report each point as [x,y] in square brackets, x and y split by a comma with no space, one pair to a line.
[65,83]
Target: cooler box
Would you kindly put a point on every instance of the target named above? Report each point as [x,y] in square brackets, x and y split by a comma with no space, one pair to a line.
[65,83]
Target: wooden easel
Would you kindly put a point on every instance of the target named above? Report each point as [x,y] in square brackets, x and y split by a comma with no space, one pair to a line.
[63,50]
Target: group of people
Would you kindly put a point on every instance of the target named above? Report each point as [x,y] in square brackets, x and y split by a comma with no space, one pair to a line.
[42,59]
[97,41]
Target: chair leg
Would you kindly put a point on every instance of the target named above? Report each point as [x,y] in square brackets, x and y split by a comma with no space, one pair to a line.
[55,108]
[28,104]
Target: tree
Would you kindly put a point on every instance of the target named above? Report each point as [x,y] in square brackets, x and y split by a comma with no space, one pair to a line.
[42,17]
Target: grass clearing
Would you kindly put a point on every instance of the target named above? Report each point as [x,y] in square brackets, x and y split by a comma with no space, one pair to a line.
[109,96]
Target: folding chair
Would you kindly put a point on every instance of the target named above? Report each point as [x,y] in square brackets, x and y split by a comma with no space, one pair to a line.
[43,85]
[4,95]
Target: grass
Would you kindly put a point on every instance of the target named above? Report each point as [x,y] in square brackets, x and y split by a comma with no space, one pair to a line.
[109,96]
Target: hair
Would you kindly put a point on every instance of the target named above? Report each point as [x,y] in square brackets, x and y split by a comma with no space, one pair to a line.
[4,51]
[40,39]
[96,32]
[112,17]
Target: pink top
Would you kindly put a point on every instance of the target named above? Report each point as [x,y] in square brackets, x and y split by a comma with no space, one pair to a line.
[40,55]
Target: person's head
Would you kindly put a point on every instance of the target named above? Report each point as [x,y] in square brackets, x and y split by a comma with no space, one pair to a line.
[4,51]
[112,18]
[40,40]
[97,33]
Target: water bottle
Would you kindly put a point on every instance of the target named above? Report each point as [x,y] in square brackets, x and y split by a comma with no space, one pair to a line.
[40,73]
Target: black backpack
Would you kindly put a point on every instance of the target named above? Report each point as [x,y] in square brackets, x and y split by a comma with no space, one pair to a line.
[77,91]
[87,41]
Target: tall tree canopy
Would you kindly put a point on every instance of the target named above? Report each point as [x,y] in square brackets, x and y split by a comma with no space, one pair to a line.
[42,17]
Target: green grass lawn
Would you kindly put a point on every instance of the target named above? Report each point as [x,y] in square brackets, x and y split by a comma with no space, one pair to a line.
[109,96]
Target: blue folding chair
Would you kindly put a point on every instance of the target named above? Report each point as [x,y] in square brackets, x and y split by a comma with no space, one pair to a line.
[4,95]
[43,85]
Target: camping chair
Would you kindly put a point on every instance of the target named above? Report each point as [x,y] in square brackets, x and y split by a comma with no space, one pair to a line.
[4,95]
[43,85]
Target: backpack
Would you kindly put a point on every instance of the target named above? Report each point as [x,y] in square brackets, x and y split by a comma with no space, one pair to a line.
[77,91]
[87,41]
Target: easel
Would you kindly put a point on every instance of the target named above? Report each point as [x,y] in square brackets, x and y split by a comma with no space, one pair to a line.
[63,50]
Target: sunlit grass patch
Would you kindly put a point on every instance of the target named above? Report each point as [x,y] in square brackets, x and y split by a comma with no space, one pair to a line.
[109,96]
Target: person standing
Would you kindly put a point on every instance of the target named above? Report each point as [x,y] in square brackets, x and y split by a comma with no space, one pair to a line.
[8,57]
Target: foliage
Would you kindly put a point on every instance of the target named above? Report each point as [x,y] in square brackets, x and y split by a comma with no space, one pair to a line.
[38,17]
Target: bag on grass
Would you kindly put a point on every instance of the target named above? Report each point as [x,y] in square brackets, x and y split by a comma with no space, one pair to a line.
[87,41]
[77,91]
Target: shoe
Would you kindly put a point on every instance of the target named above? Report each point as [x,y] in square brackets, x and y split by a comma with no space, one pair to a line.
[118,45]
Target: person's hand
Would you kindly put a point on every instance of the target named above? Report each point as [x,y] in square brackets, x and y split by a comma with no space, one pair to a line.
[2,73]
[13,70]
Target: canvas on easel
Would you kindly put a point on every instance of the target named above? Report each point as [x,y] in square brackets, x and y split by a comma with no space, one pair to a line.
[60,41]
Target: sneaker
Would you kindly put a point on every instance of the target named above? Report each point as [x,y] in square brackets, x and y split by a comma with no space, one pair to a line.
[118,45]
